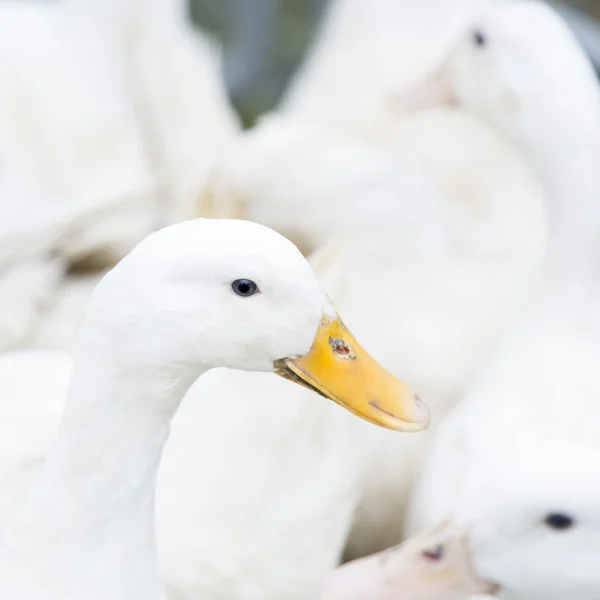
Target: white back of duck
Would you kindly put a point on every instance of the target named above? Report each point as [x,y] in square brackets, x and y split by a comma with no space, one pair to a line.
[518,458]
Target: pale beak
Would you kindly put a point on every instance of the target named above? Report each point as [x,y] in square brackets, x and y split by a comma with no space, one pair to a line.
[338,368]
[432,90]
[434,565]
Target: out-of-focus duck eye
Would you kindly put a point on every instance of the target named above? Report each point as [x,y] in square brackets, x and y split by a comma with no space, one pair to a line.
[479,38]
[559,521]
[434,554]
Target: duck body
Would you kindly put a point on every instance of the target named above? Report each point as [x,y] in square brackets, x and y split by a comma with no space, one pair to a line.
[276,526]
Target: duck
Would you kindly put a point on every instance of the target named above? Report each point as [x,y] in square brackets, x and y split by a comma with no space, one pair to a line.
[181,100]
[190,298]
[363,52]
[526,482]
[173,78]
[135,159]
[434,564]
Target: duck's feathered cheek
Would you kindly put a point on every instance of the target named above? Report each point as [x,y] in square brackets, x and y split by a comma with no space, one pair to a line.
[338,368]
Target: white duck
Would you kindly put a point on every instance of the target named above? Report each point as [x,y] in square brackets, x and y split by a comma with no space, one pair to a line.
[518,457]
[86,112]
[363,51]
[179,94]
[189,298]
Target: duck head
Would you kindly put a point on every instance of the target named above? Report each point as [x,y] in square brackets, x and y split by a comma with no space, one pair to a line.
[226,293]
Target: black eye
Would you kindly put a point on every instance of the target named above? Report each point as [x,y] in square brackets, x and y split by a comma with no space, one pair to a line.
[559,521]
[479,38]
[244,287]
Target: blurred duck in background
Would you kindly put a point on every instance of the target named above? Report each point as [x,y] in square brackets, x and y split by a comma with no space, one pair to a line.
[109,123]
[362,52]
[518,458]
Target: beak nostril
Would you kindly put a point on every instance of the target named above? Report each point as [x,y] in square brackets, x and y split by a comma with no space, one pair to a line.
[434,555]
[340,348]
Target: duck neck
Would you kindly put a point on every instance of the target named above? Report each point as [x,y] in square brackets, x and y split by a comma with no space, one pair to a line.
[90,523]
[571,178]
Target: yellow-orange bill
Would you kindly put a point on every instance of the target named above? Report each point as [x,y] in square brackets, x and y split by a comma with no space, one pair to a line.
[338,368]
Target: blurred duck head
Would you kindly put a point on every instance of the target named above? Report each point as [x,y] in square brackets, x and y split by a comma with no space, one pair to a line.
[518,66]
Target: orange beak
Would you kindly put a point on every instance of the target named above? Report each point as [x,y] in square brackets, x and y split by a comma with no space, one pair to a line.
[338,368]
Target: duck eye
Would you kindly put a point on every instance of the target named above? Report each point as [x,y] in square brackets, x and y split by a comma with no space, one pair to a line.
[244,287]
[479,38]
[559,521]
